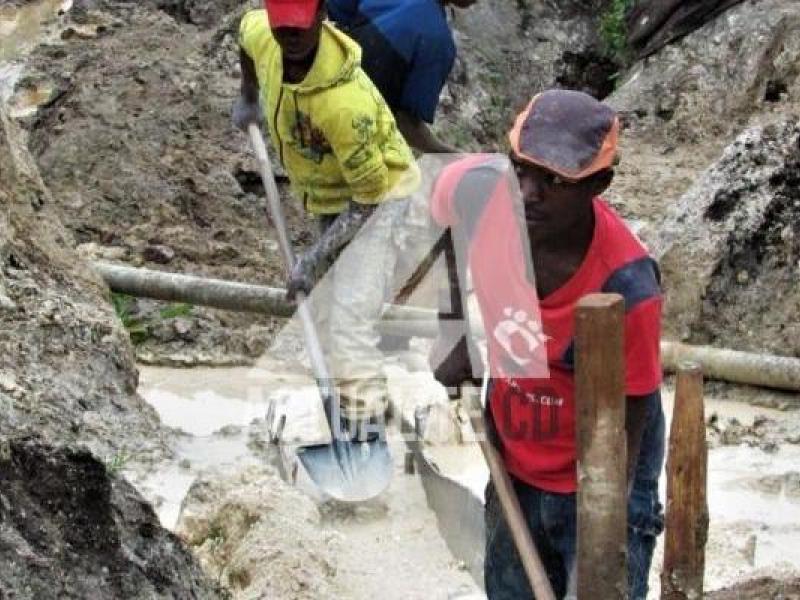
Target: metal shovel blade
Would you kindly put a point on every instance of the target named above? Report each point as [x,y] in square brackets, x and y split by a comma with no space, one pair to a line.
[349,471]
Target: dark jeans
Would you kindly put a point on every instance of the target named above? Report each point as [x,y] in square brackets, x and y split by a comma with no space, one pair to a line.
[552,520]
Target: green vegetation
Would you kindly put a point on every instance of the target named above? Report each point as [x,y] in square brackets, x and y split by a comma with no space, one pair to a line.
[124,306]
[116,463]
[139,327]
[614,29]
[179,309]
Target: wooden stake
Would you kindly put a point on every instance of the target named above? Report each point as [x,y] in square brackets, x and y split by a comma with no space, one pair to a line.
[602,478]
[687,508]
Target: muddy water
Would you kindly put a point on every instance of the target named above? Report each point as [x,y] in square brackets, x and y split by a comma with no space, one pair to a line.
[753,498]
[212,410]
[754,517]
[387,539]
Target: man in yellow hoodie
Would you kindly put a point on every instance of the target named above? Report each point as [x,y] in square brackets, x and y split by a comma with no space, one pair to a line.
[344,156]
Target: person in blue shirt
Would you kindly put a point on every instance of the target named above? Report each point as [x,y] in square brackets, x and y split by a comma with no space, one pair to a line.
[408,52]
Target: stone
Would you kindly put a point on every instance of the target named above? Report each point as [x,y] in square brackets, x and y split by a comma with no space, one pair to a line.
[9,385]
[718,262]
[95,251]
[6,303]
[67,523]
[184,328]
[158,253]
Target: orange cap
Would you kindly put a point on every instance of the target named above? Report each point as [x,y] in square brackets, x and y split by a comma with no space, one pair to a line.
[566,132]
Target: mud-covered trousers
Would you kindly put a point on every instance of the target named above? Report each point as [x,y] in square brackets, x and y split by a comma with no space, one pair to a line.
[347,305]
[552,521]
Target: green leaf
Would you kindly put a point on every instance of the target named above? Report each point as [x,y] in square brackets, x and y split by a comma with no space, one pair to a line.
[179,309]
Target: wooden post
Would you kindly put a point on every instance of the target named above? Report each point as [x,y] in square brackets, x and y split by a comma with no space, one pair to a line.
[687,509]
[602,478]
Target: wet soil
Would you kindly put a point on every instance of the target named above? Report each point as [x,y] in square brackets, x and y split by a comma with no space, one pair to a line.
[753,478]
[390,546]
[759,589]
[71,529]
[140,153]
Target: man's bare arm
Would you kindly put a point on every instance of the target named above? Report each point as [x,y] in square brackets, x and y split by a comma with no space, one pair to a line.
[246,109]
[419,136]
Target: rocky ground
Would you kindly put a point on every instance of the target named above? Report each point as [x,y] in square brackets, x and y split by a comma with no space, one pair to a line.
[758,589]
[132,159]
[730,245]
[67,372]
[147,169]
[171,185]
[70,416]
[140,152]
[237,524]
[683,110]
[69,528]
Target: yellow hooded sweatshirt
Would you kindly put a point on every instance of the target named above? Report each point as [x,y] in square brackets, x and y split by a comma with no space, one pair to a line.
[333,131]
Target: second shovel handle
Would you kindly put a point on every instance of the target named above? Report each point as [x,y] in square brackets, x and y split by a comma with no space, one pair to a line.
[509,502]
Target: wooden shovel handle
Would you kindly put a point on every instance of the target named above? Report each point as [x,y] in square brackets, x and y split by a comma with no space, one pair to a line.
[509,502]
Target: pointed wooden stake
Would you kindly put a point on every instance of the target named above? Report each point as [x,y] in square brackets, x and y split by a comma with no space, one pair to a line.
[687,508]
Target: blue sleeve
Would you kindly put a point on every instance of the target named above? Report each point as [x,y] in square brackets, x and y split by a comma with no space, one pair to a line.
[343,12]
[433,59]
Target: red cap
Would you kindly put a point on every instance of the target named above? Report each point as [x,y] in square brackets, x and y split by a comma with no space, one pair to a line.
[291,13]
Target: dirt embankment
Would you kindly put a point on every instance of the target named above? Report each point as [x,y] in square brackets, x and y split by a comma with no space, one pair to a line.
[691,187]
[69,529]
[147,170]
[135,142]
[66,368]
[508,51]
[69,415]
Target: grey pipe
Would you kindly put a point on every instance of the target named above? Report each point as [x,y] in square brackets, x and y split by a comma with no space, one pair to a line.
[780,372]
[240,297]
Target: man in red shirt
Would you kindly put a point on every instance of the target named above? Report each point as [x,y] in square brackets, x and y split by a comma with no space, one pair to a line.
[563,152]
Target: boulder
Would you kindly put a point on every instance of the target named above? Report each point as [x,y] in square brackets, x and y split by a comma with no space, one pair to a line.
[730,249]
[71,529]
[710,82]
[158,253]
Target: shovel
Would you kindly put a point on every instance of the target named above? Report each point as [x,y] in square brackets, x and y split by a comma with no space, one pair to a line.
[507,495]
[346,469]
